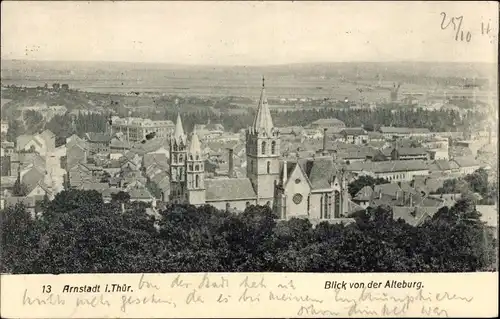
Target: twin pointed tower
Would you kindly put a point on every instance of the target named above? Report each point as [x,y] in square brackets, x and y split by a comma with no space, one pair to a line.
[263,152]
[187,171]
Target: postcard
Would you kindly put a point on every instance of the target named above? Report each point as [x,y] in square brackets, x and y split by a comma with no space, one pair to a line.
[249,159]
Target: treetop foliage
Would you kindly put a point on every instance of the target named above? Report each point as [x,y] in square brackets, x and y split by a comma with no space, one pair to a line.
[79,233]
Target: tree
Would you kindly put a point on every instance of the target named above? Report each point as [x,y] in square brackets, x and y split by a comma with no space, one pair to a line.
[19,237]
[78,233]
[362,181]
[478,181]
[120,197]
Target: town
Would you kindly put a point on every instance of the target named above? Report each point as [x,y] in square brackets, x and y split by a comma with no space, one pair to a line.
[248,137]
[157,161]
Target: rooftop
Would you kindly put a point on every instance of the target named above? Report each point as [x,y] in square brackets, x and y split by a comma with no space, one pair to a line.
[229,189]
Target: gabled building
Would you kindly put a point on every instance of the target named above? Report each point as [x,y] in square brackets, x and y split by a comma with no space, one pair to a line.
[98,142]
[467,164]
[409,153]
[353,135]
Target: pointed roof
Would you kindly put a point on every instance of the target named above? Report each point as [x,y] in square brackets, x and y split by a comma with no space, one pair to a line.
[263,121]
[195,146]
[179,130]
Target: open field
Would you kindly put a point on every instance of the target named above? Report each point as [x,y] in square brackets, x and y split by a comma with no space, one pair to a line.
[329,80]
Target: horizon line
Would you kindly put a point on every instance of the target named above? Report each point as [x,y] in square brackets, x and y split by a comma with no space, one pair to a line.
[243,65]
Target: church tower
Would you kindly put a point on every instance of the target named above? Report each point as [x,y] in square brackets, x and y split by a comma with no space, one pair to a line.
[177,163]
[195,173]
[263,152]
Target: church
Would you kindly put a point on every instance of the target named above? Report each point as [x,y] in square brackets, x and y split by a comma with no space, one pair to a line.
[313,188]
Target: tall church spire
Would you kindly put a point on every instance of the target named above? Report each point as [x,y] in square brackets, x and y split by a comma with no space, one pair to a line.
[263,121]
[195,146]
[179,130]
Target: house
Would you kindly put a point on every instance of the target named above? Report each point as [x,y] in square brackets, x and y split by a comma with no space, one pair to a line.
[118,147]
[374,136]
[209,131]
[356,136]
[8,148]
[409,153]
[76,152]
[363,197]
[393,171]
[439,154]
[312,133]
[131,160]
[162,181]
[4,126]
[49,139]
[98,142]
[29,143]
[354,155]
[142,195]
[467,164]
[159,159]
[428,184]
[391,132]
[415,215]
[446,166]
[42,143]
[329,123]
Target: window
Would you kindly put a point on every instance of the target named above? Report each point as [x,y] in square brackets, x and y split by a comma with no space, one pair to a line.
[297,181]
[268,167]
[321,208]
[191,157]
[325,209]
[197,157]
[197,181]
[197,167]
[297,198]
[263,151]
[337,204]
[273,147]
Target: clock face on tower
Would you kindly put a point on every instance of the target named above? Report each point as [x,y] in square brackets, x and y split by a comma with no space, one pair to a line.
[297,198]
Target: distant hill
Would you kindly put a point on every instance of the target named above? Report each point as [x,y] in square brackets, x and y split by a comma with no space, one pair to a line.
[236,80]
[435,69]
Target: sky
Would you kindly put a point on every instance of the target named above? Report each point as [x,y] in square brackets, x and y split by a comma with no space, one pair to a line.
[246,33]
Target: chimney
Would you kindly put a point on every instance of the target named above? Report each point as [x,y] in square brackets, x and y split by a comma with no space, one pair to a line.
[230,171]
[285,172]
[411,200]
[489,134]
[324,141]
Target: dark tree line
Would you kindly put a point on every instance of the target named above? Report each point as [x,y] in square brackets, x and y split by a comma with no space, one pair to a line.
[62,125]
[476,182]
[78,233]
